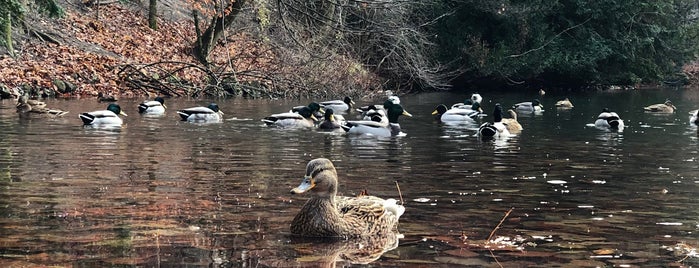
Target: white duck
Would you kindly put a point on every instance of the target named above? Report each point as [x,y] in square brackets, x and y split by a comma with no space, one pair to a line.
[209,114]
[153,107]
[496,129]
[609,120]
[108,117]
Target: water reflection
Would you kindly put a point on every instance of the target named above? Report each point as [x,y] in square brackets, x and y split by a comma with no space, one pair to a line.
[161,192]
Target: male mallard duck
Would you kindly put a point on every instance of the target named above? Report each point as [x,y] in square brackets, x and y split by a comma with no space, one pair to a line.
[27,106]
[109,117]
[304,118]
[608,120]
[389,101]
[496,129]
[209,114]
[105,98]
[339,106]
[666,107]
[529,107]
[330,122]
[456,115]
[327,215]
[694,117]
[378,125]
[154,107]
[564,104]
[316,109]
[512,124]
[468,103]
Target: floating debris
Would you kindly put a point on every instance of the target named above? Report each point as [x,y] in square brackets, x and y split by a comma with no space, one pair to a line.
[557,182]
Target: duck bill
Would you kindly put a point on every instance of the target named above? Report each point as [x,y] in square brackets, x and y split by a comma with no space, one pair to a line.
[307,184]
[315,119]
[406,113]
[435,112]
[123,113]
[164,106]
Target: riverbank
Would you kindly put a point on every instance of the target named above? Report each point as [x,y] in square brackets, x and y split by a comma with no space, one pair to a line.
[117,54]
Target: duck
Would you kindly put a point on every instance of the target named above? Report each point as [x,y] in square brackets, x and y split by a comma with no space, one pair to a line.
[101,97]
[456,115]
[200,114]
[330,122]
[379,125]
[153,107]
[609,120]
[375,125]
[468,103]
[108,117]
[390,100]
[496,129]
[513,126]
[303,118]
[666,107]
[28,106]
[694,117]
[316,109]
[529,107]
[564,104]
[339,106]
[326,214]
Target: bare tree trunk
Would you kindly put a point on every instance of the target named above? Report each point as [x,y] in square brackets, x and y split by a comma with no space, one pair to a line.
[153,14]
[7,29]
[218,24]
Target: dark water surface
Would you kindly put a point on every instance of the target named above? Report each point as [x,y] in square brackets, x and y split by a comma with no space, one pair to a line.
[165,193]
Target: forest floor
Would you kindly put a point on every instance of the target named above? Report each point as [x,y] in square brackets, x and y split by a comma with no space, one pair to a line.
[111,50]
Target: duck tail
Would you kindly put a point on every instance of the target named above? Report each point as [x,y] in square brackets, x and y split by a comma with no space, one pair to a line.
[391,205]
[87,118]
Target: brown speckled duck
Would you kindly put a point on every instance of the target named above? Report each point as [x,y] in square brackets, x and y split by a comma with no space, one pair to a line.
[328,215]
[666,107]
[513,126]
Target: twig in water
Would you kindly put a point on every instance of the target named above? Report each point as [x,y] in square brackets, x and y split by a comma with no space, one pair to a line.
[400,194]
[495,258]
[500,223]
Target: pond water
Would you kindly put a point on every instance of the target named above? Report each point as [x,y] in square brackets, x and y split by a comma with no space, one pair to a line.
[165,193]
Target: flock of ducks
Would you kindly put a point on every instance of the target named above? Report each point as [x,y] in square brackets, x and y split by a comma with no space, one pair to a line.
[326,214]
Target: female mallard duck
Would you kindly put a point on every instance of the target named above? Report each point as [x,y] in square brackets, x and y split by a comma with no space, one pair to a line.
[666,107]
[105,98]
[330,122]
[529,107]
[27,106]
[154,107]
[564,104]
[109,117]
[456,115]
[609,120]
[694,117]
[496,129]
[327,215]
[304,118]
[209,114]
[511,123]
[339,106]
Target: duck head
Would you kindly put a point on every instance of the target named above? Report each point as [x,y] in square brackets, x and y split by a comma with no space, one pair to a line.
[320,179]
[440,110]
[394,111]
[161,100]
[497,113]
[307,113]
[348,100]
[115,108]
[329,115]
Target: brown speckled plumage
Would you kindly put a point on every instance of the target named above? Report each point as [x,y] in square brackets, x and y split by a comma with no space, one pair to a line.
[328,215]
